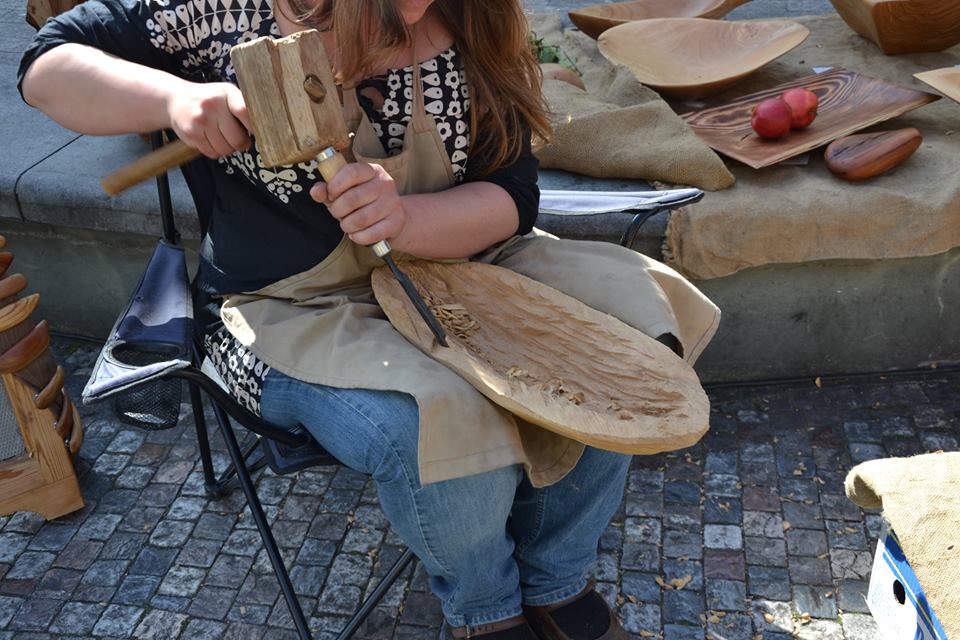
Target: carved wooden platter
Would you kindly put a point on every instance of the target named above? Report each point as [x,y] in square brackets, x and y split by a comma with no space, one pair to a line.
[596,19]
[696,57]
[946,81]
[550,359]
[849,102]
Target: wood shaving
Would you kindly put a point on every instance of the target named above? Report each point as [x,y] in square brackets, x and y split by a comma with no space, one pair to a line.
[576,398]
[517,372]
[554,387]
[454,318]
[624,415]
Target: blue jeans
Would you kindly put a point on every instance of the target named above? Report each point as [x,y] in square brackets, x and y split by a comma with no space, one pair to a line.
[490,541]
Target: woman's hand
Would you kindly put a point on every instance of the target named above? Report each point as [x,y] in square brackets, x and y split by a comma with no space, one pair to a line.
[364,198]
[211,117]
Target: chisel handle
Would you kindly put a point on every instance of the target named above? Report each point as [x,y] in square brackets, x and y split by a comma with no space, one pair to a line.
[330,162]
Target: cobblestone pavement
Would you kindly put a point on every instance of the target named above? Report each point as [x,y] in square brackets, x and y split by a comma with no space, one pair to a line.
[752,522]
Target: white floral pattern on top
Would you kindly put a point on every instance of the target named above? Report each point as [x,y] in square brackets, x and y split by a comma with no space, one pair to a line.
[445,97]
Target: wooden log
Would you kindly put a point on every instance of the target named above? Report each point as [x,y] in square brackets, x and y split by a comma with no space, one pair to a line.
[5,259]
[866,155]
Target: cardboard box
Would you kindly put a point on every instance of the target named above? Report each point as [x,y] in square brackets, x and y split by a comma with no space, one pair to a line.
[895,597]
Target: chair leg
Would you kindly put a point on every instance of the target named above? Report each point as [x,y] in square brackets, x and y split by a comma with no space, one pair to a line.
[269,543]
[374,598]
[203,442]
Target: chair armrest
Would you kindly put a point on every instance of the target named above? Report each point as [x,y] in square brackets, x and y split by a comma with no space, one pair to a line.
[590,203]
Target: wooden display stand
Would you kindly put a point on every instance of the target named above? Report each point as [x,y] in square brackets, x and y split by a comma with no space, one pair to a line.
[41,478]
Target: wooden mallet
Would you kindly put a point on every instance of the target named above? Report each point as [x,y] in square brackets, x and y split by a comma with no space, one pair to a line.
[292,100]
[295,112]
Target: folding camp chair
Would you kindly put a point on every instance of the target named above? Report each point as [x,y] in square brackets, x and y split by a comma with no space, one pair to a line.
[151,351]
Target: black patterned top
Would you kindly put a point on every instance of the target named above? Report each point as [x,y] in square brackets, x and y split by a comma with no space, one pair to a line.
[445,97]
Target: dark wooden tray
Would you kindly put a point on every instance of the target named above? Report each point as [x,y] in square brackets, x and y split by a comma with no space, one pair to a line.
[849,102]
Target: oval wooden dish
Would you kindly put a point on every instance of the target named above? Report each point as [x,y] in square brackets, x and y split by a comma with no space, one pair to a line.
[692,58]
[550,359]
[596,19]
[904,26]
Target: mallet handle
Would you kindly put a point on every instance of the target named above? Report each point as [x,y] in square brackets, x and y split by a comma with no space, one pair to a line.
[167,157]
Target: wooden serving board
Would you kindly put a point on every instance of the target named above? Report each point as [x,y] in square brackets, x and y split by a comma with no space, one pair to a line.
[550,359]
[849,102]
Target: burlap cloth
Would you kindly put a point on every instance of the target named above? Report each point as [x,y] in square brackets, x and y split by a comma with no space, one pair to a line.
[618,128]
[920,497]
[792,214]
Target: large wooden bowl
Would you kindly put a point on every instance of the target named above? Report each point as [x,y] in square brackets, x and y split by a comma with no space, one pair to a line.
[904,26]
[551,359]
[596,19]
[946,81]
[695,57]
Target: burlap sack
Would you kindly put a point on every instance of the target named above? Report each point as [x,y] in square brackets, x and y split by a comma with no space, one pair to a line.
[920,497]
[794,214]
[618,128]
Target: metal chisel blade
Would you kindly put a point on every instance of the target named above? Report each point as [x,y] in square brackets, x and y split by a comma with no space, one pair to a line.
[418,303]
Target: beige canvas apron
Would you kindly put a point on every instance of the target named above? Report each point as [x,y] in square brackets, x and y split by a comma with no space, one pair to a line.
[323,325]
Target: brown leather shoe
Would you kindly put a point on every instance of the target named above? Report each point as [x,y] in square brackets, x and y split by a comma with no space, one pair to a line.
[585,616]
[515,628]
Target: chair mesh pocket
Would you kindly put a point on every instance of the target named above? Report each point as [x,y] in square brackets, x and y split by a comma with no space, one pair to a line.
[153,405]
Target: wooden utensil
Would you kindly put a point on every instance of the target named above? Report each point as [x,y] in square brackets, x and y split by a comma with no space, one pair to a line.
[695,57]
[39,426]
[865,155]
[904,26]
[292,100]
[849,102]
[551,359]
[596,19]
[946,81]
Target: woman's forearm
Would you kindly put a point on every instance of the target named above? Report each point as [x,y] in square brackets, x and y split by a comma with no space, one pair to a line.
[89,91]
[458,222]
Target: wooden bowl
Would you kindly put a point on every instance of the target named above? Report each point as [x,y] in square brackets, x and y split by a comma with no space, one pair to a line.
[695,57]
[946,81]
[904,26]
[596,19]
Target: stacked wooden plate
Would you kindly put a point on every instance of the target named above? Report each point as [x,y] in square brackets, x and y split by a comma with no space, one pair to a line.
[596,19]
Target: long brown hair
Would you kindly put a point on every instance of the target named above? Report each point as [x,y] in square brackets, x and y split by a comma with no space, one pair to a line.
[493,39]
